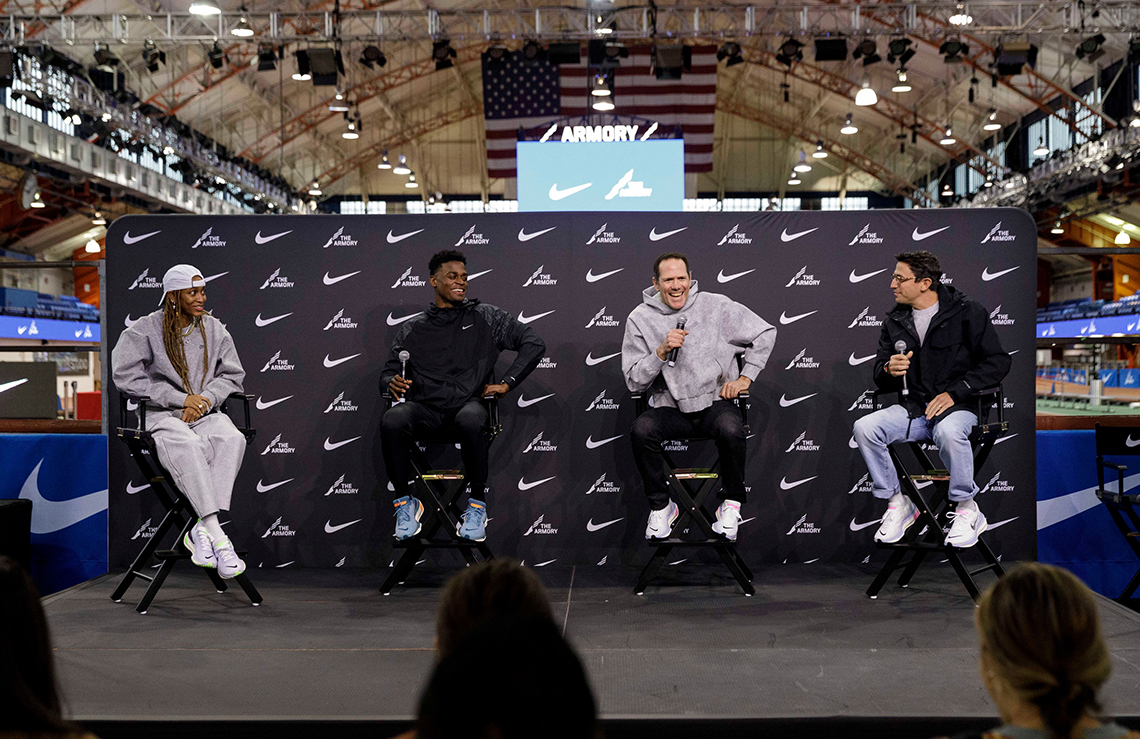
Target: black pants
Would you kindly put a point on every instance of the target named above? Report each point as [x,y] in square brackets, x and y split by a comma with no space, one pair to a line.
[720,421]
[406,422]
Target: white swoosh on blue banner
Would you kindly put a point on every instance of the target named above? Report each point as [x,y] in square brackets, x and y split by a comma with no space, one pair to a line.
[556,194]
[1056,510]
[53,515]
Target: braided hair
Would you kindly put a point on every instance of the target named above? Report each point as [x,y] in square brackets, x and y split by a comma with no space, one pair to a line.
[172,339]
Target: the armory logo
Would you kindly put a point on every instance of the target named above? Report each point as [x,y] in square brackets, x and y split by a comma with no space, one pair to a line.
[997,234]
[340,487]
[538,527]
[278,447]
[602,485]
[803,526]
[602,403]
[946,280]
[277,364]
[602,236]
[802,444]
[803,279]
[997,485]
[998,318]
[865,402]
[801,361]
[408,280]
[340,321]
[865,320]
[209,239]
[278,529]
[866,236]
[675,446]
[864,485]
[145,281]
[547,363]
[601,318]
[146,531]
[340,405]
[734,236]
[472,239]
[276,280]
[340,238]
[538,444]
[539,278]
[627,187]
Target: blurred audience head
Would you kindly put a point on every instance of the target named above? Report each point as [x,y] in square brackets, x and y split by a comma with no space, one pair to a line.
[496,589]
[1041,646]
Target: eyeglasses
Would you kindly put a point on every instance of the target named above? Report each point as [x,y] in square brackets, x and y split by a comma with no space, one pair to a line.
[900,279]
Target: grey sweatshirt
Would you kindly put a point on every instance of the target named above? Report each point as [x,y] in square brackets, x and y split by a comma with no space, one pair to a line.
[719,329]
[140,365]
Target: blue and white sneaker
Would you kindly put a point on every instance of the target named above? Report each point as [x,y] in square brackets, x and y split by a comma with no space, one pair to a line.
[409,511]
[473,523]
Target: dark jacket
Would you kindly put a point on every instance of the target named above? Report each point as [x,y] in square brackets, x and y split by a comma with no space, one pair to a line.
[454,350]
[960,355]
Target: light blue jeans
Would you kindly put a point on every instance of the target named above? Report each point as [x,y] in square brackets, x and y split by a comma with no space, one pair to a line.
[950,432]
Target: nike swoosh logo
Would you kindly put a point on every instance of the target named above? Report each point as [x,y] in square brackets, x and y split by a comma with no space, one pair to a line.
[859,278]
[556,194]
[330,444]
[1004,438]
[591,444]
[785,319]
[266,239]
[397,239]
[784,402]
[53,515]
[467,327]
[860,526]
[214,277]
[398,321]
[330,529]
[128,321]
[919,236]
[266,488]
[544,564]
[333,280]
[1129,442]
[132,490]
[528,319]
[723,278]
[524,403]
[786,237]
[128,239]
[9,385]
[591,277]
[591,360]
[855,361]
[591,526]
[262,405]
[654,236]
[987,276]
[266,321]
[785,485]
[78,333]
[478,274]
[524,485]
[523,236]
[992,526]
[342,360]
[285,564]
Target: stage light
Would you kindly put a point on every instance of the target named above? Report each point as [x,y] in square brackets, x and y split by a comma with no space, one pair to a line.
[794,179]
[791,51]
[350,133]
[411,184]
[991,121]
[901,84]
[948,139]
[601,86]
[402,166]
[1042,150]
[37,200]
[961,16]
[532,51]
[216,56]
[868,51]
[1089,49]
[730,50]
[242,29]
[947,191]
[802,165]
[315,189]
[866,95]
[496,53]
[384,163]
[302,74]
[603,104]
[98,220]
[104,57]
[1122,238]
[266,58]
[442,53]
[204,7]
[372,57]
[152,56]
[848,127]
[338,104]
[1011,58]
[952,51]
[91,247]
[819,153]
[1057,229]
[898,50]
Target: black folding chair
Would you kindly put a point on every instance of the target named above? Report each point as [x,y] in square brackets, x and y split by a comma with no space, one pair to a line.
[1118,441]
[440,507]
[691,501]
[180,514]
[928,534]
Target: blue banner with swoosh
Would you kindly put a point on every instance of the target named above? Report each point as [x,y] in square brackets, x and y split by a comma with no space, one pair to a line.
[13,327]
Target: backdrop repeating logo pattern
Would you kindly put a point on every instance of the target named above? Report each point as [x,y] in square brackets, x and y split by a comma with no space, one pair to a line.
[314,308]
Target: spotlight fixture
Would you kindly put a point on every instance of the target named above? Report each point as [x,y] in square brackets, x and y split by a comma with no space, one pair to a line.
[848,127]
[603,104]
[411,184]
[338,104]
[791,51]
[948,139]
[38,202]
[961,16]
[302,74]
[730,50]
[1057,229]
[204,7]
[266,58]
[866,95]
[402,166]
[442,53]
[868,51]
[384,163]
[315,189]
[898,50]
[496,53]
[947,191]
[953,50]
[98,220]
[819,152]
[153,56]
[372,57]
[1089,49]
[242,29]
[1122,238]
[794,179]
[802,165]
[601,86]
[216,56]
[532,51]
[104,57]
[901,84]
[1011,58]
[1042,150]
[91,247]
[350,133]
[991,123]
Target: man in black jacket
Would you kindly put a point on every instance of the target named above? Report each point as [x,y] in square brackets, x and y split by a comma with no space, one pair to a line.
[951,352]
[452,349]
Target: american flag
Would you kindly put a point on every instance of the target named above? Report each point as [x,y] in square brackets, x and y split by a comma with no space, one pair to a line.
[527,95]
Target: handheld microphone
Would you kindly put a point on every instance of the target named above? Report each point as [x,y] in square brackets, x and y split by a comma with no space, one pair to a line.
[404,356]
[673,354]
[900,348]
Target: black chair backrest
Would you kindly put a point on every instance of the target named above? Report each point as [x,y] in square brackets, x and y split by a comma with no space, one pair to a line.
[1116,441]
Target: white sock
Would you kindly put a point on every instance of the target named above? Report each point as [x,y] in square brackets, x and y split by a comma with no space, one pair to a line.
[896,500]
[213,528]
[967,505]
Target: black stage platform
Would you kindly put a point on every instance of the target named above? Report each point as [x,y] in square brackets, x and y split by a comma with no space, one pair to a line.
[809,655]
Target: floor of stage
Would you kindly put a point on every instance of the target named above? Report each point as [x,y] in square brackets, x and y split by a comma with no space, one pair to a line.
[326,645]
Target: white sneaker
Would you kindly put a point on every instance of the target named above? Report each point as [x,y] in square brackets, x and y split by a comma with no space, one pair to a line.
[897,520]
[197,540]
[727,519]
[661,522]
[965,527]
[229,564]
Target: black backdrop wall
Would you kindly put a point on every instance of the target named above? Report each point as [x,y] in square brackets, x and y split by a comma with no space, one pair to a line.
[313,301]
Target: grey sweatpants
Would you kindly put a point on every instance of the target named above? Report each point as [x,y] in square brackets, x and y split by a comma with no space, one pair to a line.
[203,458]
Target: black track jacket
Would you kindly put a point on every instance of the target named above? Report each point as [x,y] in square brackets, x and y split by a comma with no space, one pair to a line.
[454,350]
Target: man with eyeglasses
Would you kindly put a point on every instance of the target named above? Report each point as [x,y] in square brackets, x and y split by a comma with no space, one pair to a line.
[950,351]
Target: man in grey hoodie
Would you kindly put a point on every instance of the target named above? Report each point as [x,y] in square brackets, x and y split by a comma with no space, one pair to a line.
[691,396]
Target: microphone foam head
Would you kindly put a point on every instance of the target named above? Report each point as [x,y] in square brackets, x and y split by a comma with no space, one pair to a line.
[900,346]
[404,356]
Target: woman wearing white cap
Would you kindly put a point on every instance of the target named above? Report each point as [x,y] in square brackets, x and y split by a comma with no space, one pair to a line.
[184,361]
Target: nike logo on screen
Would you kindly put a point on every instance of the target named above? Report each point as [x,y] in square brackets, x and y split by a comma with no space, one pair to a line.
[9,385]
[786,319]
[478,274]
[785,485]
[591,444]
[266,239]
[855,361]
[266,488]
[524,236]
[333,280]
[987,275]
[53,515]
[397,321]
[330,444]
[591,526]
[723,278]
[784,402]
[528,319]
[860,526]
[342,360]
[786,237]
[524,485]
[214,277]
[262,405]
[132,490]
[919,236]
[591,360]
[266,321]
[397,239]
[859,278]
[591,277]
[556,194]
[524,403]
[128,239]
[330,529]
[654,236]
